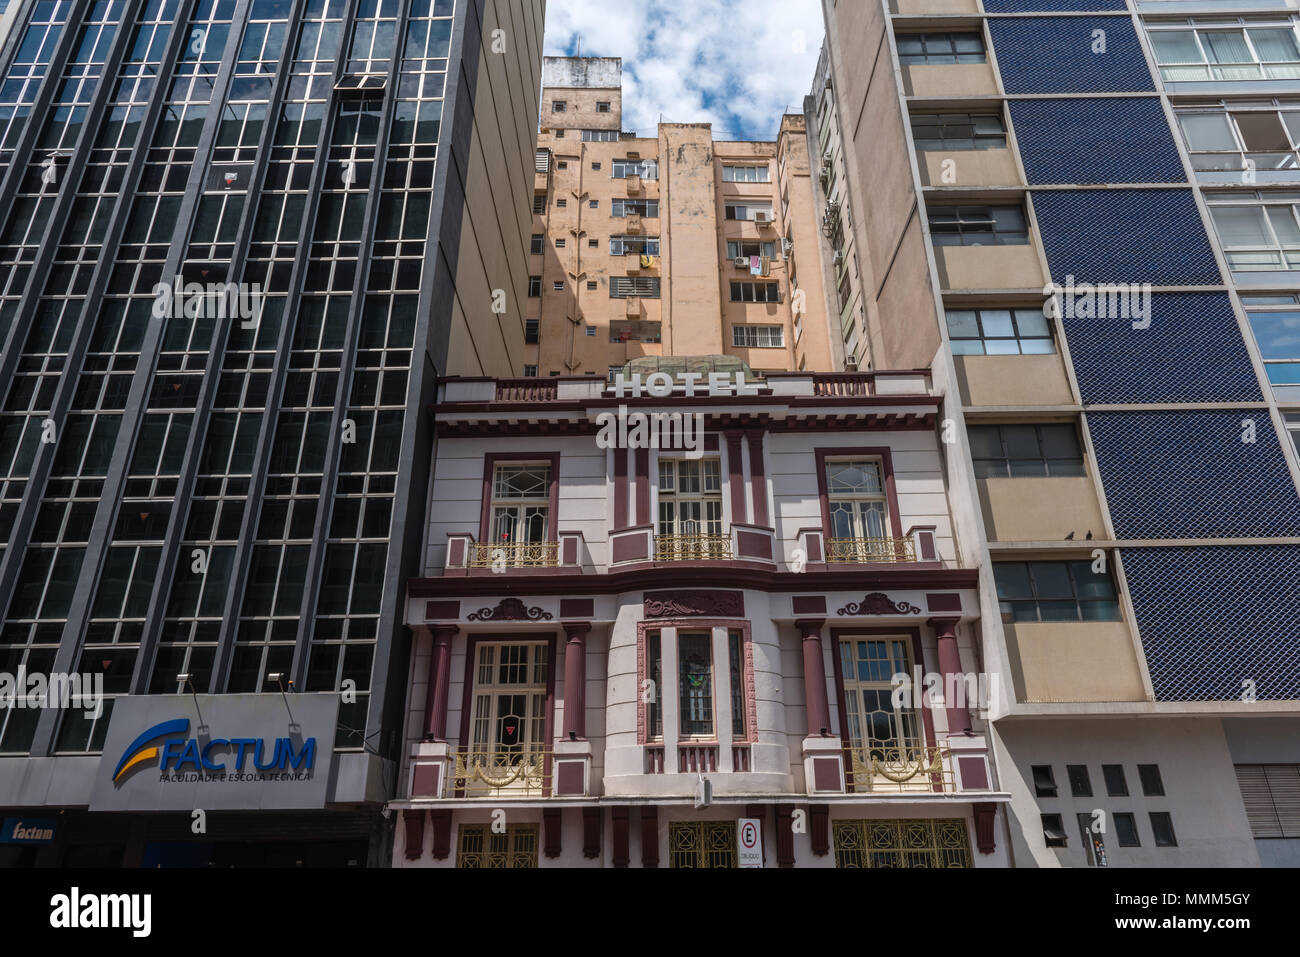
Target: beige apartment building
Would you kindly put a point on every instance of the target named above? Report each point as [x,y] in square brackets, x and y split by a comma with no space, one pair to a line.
[1131,542]
[674,245]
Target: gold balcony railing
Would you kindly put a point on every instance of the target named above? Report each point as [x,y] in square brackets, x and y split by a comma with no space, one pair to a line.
[479,773]
[515,555]
[902,768]
[680,548]
[859,550]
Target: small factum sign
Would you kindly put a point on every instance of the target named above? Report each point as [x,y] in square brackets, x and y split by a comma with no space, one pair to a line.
[17,830]
[218,752]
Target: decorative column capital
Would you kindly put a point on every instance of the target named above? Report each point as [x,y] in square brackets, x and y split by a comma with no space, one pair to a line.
[444,633]
[575,630]
[944,627]
[810,627]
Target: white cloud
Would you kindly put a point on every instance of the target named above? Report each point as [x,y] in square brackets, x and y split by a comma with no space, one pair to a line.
[738,64]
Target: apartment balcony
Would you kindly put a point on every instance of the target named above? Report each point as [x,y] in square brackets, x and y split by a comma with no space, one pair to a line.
[497,774]
[841,551]
[680,548]
[926,768]
[515,555]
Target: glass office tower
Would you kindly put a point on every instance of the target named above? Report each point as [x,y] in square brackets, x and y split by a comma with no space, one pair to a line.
[235,257]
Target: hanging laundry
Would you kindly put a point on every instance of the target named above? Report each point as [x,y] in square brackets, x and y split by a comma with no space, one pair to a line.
[767,266]
[647,261]
[756,265]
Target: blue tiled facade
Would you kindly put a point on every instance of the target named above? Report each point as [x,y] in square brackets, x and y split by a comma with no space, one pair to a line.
[1189,474]
[1055,55]
[1151,236]
[1192,351]
[1052,6]
[1090,141]
[1212,618]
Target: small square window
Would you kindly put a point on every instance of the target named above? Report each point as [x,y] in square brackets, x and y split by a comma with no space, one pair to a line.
[602,106]
[562,164]
[595,167]
[591,331]
[530,370]
[1162,829]
[1044,781]
[562,203]
[558,286]
[560,244]
[559,106]
[1054,831]
[1149,774]
[554,373]
[593,284]
[537,244]
[593,243]
[1126,830]
[594,204]
[1080,785]
[559,134]
[1116,785]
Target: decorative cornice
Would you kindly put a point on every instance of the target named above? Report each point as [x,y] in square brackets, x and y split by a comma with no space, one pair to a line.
[510,609]
[878,603]
[694,604]
[753,575]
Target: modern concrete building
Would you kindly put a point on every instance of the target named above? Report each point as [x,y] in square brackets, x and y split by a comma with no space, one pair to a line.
[669,245]
[636,655]
[226,298]
[1116,442]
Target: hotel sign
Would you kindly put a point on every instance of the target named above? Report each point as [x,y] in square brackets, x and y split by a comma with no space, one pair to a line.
[217,752]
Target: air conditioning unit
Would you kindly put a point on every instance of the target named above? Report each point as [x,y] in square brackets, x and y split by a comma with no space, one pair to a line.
[838,259]
[633,155]
[742,262]
[634,183]
[634,223]
[762,217]
[787,246]
[633,306]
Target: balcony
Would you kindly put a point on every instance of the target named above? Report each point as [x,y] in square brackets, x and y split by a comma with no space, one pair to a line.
[857,551]
[901,769]
[515,555]
[478,773]
[682,548]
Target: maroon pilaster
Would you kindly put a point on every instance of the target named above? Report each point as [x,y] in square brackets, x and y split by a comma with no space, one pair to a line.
[736,476]
[986,813]
[441,834]
[620,489]
[591,824]
[820,828]
[642,459]
[814,676]
[414,821]
[649,836]
[757,478]
[575,679]
[552,826]
[950,665]
[435,705]
[784,835]
[620,853]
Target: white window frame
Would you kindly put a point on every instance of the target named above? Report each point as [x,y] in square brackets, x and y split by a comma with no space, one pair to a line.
[524,509]
[757,337]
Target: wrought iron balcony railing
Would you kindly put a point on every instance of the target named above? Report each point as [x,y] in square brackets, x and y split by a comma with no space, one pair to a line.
[523,773]
[515,555]
[902,768]
[679,548]
[860,550]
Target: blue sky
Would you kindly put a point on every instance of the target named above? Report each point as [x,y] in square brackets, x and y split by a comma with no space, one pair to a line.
[738,64]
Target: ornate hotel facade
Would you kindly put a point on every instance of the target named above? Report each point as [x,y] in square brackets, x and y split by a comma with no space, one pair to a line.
[622,654]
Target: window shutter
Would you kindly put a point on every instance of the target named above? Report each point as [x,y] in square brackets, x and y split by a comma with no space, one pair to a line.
[1272,797]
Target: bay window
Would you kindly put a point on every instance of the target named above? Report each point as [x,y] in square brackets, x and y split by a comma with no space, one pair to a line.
[1246,51]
